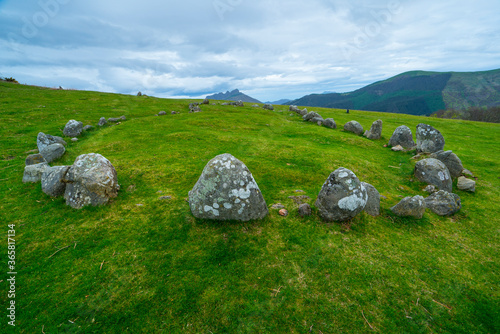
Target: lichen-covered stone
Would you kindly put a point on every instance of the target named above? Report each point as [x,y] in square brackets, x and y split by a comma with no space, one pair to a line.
[443,203]
[375,131]
[226,190]
[33,173]
[342,196]
[91,180]
[402,136]
[429,140]
[34,159]
[102,121]
[433,171]
[410,207]
[73,128]
[372,206]
[353,126]
[452,162]
[52,180]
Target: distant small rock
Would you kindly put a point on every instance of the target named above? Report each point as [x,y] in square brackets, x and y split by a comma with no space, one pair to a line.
[467,172]
[375,131]
[225,104]
[33,173]
[466,184]
[255,106]
[74,139]
[429,140]
[206,101]
[330,123]
[268,106]
[305,210]
[162,113]
[73,128]
[277,206]
[123,118]
[139,94]
[283,212]
[175,112]
[402,136]
[114,119]
[311,115]
[237,103]
[410,207]
[165,198]
[354,127]
[318,120]
[443,203]
[102,121]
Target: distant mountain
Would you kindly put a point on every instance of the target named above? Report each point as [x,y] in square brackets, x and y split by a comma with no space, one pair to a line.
[235,95]
[416,93]
[282,101]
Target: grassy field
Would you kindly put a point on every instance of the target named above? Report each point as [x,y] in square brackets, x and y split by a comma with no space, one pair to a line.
[144,265]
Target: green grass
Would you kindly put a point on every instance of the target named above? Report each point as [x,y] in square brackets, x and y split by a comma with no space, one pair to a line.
[156,269]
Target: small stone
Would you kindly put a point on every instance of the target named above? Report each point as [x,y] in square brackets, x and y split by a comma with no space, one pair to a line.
[430,189]
[131,188]
[299,191]
[268,106]
[102,121]
[397,148]
[74,139]
[277,206]
[162,113]
[305,210]
[206,101]
[87,127]
[283,212]
[34,159]
[114,120]
[175,112]
[466,184]
[467,172]
[165,198]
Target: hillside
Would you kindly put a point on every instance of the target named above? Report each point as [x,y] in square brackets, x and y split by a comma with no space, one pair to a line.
[234,95]
[416,93]
[142,264]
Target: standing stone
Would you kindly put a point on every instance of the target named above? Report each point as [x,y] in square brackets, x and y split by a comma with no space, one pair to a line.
[305,210]
[34,159]
[342,196]
[330,123]
[268,106]
[443,203]
[372,206]
[33,173]
[466,184]
[73,128]
[53,152]
[311,115]
[451,160]
[410,207]
[375,131]
[52,180]
[91,180]
[429,140]
[226,190]
[102,121]
[43,140]
[402,136]
[433,171]
[353,126]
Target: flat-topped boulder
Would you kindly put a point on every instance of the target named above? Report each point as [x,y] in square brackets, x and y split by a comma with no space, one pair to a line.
[429,140]
[402,136]
[342,196]
[226,190]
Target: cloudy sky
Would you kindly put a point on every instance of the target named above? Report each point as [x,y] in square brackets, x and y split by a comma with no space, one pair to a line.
[268,49]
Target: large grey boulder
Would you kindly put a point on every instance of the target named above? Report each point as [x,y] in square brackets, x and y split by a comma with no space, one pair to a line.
[353,126]
[52,180]
[451,160]
[433,171]
[33,173]
[91,180]
[429,140]
[34,159]
[342,196]
[53,152]
[43,140]
[73,128]
[372,206]
[311,115]
[443,203]
[402,136]
[330,123]
[226,190]
[466,184]
[375,131]
[410,207]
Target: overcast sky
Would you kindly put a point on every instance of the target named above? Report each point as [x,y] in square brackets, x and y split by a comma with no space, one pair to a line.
[268,49]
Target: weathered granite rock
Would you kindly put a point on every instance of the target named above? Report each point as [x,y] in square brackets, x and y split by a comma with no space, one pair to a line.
[402,136]
[433,171]
[268,106]
[342,196]
[91,180]
[43,140]
[102,121]
[52,152]
[73,128]
[410,207]
[372,206]
[33,173]
[226,190]
[466,184]
[443,203]
[52,180]
[311,115]
[34,159]
[353,126]
[451,160]
[330,123]
[305,210]
[429,140]
[375,131]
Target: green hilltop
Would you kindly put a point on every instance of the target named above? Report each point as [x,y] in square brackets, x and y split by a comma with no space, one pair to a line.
[417,93]
[145,265]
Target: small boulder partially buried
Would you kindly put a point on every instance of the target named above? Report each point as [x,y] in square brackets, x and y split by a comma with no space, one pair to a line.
[330,123]
[375,131]
[429,140]
[433,171]
[73,128]
[53,152]
[33,173]
[52,180]
[410,207]
[311,115]
[443,203]
[451,160]
[466,184]
[305,210]
[353,126]
[226,190]
[268,106]
[91,180]
[402,136]
[372,206]
[342,196]
[34,159]
[102,121]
